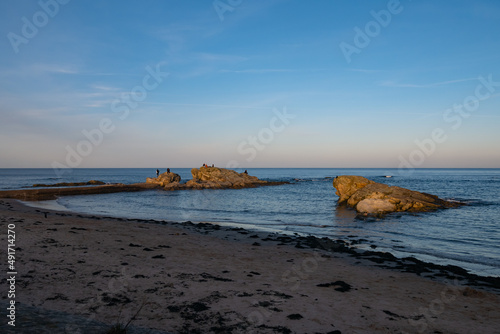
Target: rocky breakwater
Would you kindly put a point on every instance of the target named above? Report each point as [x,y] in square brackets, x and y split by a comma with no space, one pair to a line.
[53,192]
[369,197]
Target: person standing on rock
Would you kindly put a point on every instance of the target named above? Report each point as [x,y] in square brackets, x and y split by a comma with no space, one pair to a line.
[157,173]
[168,170]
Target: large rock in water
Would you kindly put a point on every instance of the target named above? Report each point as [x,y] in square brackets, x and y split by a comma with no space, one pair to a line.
[221,178]
[369,197]
[347,185]
[209,178]
[167,178]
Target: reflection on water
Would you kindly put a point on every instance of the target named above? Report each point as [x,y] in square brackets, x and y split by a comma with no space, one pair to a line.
[344,215]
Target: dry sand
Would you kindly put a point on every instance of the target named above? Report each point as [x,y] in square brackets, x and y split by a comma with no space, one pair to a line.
[200,279]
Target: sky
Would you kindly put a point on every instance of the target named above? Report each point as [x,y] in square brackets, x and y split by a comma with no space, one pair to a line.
[245,84]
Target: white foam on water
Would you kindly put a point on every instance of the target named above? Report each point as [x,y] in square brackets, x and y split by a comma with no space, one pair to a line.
[48,205]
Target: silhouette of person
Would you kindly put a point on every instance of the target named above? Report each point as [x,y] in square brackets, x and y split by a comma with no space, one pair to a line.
[168,170]
[157,173]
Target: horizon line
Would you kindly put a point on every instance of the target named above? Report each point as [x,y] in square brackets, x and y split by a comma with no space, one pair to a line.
[415,168]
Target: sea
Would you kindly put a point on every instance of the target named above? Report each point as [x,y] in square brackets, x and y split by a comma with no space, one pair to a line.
[468,236]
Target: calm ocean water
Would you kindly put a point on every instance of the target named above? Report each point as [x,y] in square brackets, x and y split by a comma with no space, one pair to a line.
[468,236]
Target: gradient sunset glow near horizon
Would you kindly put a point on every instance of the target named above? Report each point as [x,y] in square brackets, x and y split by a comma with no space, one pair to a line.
[250,83]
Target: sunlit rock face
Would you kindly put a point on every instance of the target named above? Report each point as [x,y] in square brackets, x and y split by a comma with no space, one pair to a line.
[164,179]
[220,178]
[209,178]
[369,197]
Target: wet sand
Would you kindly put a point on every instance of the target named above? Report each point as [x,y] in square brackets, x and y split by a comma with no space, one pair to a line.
[202,278]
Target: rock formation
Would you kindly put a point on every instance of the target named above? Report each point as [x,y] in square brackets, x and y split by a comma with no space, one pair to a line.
[369,197]
[165,179]
[348,185]
[221,178]
[203,178]
[210,178]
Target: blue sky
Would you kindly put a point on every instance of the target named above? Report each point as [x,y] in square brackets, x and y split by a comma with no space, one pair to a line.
[240,83]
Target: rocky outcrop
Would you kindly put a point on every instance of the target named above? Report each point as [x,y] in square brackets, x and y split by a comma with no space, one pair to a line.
[209,178]
[203,178]
[167,178]
[221,178]
[347,185]
[369,197]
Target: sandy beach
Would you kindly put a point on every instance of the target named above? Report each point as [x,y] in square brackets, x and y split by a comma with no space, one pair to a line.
[201,278]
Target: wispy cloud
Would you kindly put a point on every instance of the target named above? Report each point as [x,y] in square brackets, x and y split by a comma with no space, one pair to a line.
[272,70]
[207,105]
[104,88]
[429,85]
[54,68]
[259,71]
[362,70]
[217,57]
[39,69]
[43,69]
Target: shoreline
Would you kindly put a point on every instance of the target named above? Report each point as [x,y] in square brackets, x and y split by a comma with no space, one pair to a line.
[50,194]
[381,258]
[240,278]
[361,245]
